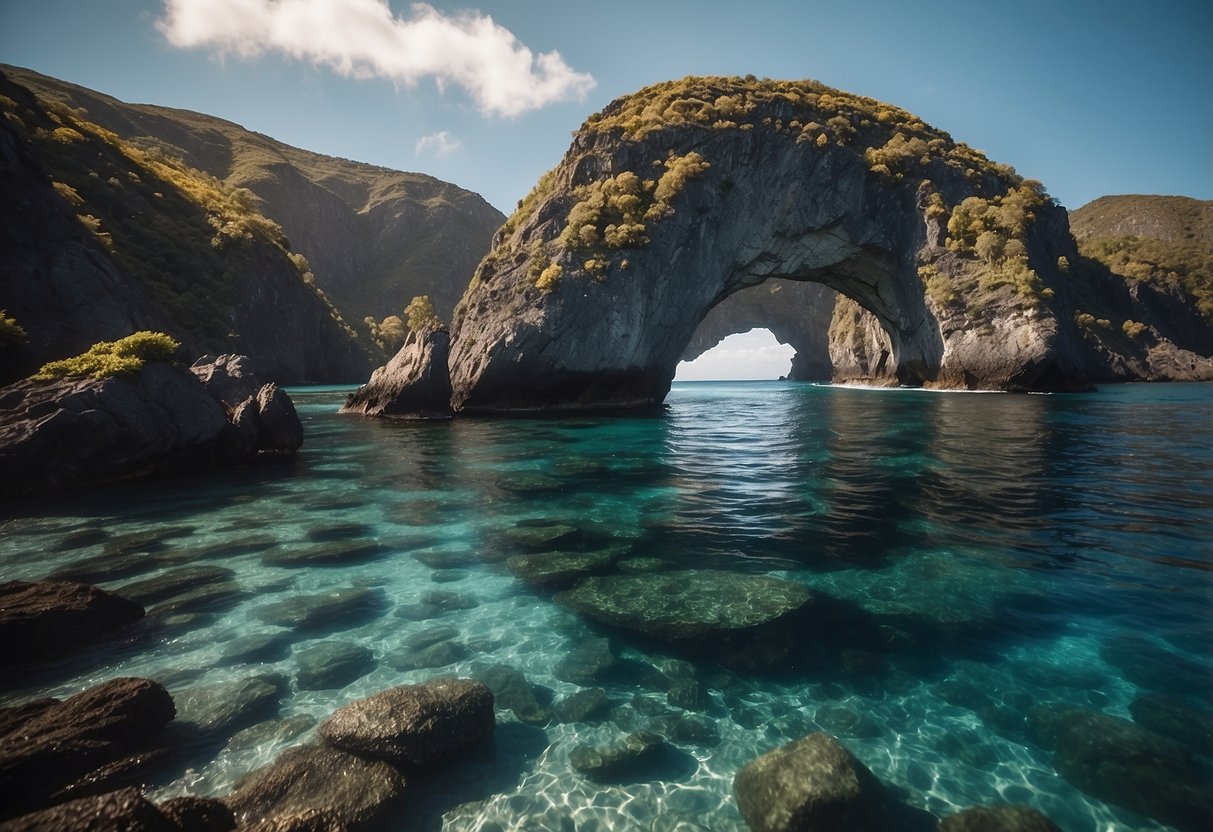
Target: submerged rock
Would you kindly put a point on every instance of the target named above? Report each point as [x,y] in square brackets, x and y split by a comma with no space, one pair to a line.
[38,620]
[415,384]
[587,705]
[345,790]
[414,724]
[64,742]
[736,617]
[335,610]
[618,761]
[223,708]
[998,819]
[587,663]
[558,569]
[174,583]
[512,691]
[813,784]
[1114,760]
[256,649]
[332,664]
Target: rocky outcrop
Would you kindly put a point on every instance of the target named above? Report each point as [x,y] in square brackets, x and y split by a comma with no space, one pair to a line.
[79,429]
[41,620]
[663,207]
[414,725]
[998,819]
[415,384]
[58,745]
[261,417]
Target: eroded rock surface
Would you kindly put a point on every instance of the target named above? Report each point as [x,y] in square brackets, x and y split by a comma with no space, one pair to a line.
[414,724]
[594,288]
[43,619]
[415,384]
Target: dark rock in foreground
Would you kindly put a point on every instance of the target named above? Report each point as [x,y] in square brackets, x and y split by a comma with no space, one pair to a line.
[816,784]
[79,430]
[126,811]
[415,384]
[414,724]
[64,742]
[345,791]
[38,620]
[998,819]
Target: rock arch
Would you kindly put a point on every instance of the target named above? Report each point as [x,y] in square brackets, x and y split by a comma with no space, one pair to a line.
[674,199]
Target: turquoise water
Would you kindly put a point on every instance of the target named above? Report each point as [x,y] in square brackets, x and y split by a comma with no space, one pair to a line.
[996,552]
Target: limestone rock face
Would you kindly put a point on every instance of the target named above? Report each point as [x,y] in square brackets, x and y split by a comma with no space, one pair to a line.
[414,724]
[562,317]
[415,384]
[43,619]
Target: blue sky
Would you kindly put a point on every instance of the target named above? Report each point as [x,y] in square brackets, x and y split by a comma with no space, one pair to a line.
[1089,97]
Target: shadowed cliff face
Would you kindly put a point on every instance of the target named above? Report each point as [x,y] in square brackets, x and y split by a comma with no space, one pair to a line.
[594,289]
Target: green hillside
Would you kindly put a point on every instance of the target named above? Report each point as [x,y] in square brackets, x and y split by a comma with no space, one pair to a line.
[374,237]
[1163,241]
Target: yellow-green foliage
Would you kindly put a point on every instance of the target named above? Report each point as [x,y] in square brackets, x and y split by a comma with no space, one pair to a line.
[421,316]
[1087,322]
[1133,329]
[69,193]
[1187,264]
[11,332]
[109,358]
[611,213]
[994,231]
[528,204]
[807,110]
[549,277]
[939,287]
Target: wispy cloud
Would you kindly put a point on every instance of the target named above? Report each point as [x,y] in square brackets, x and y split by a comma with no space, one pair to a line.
[364,39]
[440,143]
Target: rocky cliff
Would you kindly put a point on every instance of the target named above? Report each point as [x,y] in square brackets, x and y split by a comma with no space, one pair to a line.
[374,237]
[99,238]
[675,198]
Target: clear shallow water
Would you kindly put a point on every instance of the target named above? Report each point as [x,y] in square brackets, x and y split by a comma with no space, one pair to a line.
[1035,549]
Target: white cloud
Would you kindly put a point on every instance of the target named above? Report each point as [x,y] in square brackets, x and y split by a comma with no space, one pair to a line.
[364,39]
[440,143]
[749,355]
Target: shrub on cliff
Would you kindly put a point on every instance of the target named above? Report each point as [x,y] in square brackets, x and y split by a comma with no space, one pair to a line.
[110,358]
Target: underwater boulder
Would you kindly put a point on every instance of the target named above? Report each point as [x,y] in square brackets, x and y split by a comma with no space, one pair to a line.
[42,619]
[414,724]
[998,819]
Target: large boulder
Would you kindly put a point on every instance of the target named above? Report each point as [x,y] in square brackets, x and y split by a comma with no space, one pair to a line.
[813,784]
[415,384]
[414,725]
[79,429]
[63,742]
[43,619]
[119,811]
[335,789]
[261,417]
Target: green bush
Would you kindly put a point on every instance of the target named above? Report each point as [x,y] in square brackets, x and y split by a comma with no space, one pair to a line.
[11,332]
[420,315]
[109,358]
